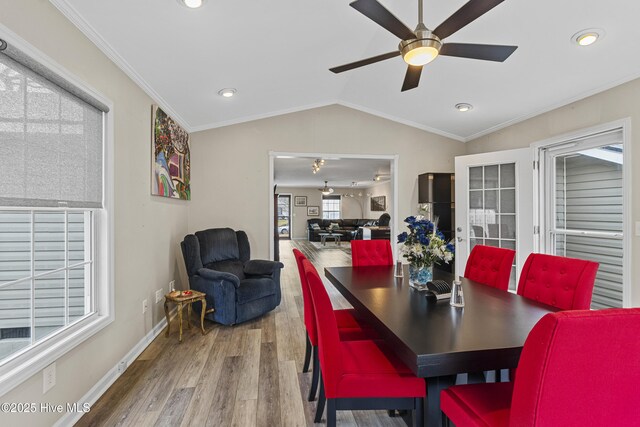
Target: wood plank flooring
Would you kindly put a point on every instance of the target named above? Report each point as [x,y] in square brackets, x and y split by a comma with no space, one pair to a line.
[243,375]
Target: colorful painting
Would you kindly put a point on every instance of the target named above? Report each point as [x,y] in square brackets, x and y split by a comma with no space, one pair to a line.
[171,160]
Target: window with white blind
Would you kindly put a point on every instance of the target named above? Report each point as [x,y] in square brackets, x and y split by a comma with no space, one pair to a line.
[54,262]
[584,197]
[331,207]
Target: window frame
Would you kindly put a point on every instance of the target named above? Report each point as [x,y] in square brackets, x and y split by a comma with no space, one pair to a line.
[332,197]
[544,222]
[16,369]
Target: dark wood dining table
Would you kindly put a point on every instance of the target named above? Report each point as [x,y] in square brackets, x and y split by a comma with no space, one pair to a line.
[435,340]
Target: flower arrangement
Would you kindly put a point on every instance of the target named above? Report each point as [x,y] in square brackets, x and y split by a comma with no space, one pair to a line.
[424,245]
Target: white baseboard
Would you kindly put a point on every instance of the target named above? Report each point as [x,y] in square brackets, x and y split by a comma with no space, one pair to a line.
[92,396]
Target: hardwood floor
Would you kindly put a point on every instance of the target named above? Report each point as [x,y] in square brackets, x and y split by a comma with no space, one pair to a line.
[243,375]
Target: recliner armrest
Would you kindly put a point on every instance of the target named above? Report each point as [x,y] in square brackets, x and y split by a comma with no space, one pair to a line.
[209,274]
[261,267]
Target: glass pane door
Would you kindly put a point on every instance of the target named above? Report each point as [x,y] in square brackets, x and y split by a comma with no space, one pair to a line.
[492,208]
[284,216]
[494,205]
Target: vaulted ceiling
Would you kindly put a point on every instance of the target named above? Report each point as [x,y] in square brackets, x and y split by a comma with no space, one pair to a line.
[277,55]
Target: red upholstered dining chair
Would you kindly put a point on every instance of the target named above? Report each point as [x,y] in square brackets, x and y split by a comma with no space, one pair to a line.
[566,283]
[577,368]
[358,375]
[490,266]
[349,327]
[371,252]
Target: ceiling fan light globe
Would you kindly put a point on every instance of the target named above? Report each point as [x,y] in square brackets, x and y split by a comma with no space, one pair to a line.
[420,56]
[193,4]
[421,51]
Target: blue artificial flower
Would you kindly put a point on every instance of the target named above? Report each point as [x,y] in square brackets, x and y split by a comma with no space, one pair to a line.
[423,239]
[439,234]
[410,220]
[451,247]
[402,237]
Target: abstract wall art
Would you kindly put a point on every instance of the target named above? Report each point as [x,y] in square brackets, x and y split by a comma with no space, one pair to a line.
[171,166]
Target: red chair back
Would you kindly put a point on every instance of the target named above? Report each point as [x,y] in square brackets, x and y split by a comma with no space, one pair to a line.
[490,266]
[580,368]
[566,283]
[309,316]
[371,252]
[328,335]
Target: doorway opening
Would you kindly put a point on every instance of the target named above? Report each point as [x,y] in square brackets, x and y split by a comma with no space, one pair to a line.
[351,190]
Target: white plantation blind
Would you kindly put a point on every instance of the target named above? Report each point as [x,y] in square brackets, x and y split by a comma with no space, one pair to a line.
[51,140]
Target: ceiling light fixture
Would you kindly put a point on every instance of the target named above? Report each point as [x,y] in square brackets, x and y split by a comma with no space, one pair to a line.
[315,166]
[587,37]
[463,106]
[326,190]
[422,50]
[192,4]
[227,92]
[381,177]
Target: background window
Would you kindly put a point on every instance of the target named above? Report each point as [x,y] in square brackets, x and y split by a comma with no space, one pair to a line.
[331,207]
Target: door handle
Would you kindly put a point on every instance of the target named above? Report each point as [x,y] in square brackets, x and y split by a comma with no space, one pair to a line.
[459,239]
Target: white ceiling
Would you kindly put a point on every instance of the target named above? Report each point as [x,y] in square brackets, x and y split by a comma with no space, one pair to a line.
[277,54]
[341,173]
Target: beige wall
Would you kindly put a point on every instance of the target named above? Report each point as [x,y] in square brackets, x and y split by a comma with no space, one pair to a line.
[146,226]
[230,165]
[381,189]
[614,104]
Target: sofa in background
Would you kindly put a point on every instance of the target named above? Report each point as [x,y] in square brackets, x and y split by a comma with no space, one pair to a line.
[349,228]
[218,264]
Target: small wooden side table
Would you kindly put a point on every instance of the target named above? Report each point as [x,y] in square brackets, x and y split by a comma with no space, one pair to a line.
[180,299]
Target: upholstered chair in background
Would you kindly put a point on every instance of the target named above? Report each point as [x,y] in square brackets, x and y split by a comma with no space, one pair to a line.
[490,266]
[239,289]
[566,283]
[371,252]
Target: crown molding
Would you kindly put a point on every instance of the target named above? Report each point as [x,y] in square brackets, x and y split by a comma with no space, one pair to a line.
[554,106]
[92,34]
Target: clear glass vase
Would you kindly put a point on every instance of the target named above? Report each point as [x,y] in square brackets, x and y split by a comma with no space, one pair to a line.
[419,276]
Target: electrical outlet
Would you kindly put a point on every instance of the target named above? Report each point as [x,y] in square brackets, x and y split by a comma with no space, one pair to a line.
[122,366]
[158,295]
[48,377]
[145,306]
[172,286]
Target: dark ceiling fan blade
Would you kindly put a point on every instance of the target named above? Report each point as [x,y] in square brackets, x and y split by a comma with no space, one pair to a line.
[363,62]
[380,15]
[487,52]
[412,78]
[463,16]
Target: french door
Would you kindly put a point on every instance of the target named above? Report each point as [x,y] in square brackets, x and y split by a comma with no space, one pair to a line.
[494,205]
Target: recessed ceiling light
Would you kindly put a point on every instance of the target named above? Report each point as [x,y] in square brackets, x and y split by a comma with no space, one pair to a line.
[464,107]
[192,4]
[227,92]
[587,37]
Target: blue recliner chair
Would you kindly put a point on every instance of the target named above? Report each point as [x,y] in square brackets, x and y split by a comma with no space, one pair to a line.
[239,289]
